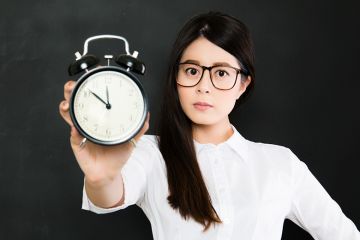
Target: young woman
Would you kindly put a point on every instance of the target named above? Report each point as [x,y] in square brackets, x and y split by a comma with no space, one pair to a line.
[200,179]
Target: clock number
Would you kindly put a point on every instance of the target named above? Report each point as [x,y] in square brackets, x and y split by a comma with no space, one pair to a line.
[86,94]
[122,129]
[80,105]
[108,80]
[136,105]
[108,133]
[131,92]
[96,127]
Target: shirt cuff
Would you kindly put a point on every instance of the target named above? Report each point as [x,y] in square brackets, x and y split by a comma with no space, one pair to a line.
[88,205]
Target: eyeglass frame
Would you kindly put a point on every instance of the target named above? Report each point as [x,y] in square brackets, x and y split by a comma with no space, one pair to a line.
[238,70]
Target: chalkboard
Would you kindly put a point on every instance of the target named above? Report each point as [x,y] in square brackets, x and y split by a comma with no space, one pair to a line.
[306,98]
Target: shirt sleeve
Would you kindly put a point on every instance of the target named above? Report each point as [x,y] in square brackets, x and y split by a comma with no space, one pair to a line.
[314,210]
[134,175]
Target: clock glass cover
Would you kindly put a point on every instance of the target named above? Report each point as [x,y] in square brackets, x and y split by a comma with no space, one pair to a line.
[108,106]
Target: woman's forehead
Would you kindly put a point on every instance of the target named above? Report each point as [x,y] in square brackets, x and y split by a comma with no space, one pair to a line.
[204,52]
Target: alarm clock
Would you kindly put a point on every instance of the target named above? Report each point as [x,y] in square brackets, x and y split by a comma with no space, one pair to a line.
[108,105]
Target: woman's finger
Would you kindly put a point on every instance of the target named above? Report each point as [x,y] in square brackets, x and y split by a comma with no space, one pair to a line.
[76,139]
[64,112]
[68,87]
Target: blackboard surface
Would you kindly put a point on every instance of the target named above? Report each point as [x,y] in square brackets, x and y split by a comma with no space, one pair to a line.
[306,98]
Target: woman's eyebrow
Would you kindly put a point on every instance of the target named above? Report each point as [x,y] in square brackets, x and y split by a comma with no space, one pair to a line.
[225,64]
[214,64]
[191,61]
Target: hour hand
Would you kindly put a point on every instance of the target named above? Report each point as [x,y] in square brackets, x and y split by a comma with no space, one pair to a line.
[107,104]
[97,96]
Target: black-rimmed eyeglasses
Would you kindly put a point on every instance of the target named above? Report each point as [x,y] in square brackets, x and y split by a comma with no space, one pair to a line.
[222,77]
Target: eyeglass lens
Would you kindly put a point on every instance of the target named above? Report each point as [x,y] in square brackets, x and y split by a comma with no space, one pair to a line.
[222,77]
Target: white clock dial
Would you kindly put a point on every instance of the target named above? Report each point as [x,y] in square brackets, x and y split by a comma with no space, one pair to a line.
[109,106]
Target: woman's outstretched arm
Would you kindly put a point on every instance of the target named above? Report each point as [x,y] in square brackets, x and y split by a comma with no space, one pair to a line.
[101,165]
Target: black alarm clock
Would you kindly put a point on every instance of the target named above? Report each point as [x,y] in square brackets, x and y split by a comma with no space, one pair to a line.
[108,104]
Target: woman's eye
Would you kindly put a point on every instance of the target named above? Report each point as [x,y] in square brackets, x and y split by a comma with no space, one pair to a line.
[191,71]
[222,73]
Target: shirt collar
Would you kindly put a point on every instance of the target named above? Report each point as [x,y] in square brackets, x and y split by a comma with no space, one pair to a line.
[236,142]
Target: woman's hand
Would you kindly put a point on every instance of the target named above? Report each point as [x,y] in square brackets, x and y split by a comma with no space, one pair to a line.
[100,164]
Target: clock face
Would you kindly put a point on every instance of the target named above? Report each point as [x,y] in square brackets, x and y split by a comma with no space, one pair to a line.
[108,107]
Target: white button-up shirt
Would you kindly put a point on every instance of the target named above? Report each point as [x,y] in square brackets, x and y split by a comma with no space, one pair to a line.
[253,188]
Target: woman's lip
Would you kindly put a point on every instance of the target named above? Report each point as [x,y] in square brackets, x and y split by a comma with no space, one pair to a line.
[202,106]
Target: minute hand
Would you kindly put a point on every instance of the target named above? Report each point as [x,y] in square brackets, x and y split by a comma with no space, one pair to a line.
[107,95]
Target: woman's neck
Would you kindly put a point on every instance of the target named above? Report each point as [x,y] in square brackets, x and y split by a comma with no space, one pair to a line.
[215,134]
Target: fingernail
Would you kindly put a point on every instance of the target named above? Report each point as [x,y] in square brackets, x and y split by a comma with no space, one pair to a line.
[66,105]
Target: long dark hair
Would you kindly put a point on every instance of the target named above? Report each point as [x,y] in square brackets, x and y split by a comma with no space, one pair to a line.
[187,190]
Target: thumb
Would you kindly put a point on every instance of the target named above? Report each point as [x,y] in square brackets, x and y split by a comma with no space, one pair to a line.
[75,138]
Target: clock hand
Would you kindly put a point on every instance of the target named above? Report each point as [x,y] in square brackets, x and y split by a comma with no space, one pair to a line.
[108,105]
[97,96]
[107,95]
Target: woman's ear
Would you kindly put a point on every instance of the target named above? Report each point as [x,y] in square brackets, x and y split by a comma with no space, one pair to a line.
[245,81]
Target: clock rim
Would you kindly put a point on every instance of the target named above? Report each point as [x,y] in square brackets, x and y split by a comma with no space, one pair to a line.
[79,83]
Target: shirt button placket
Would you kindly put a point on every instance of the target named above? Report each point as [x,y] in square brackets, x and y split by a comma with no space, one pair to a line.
[222,193]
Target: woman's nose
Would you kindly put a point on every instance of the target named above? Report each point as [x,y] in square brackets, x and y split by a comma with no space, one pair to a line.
[205,84]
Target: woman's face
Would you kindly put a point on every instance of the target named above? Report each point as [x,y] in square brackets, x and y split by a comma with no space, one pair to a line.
[204,104]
